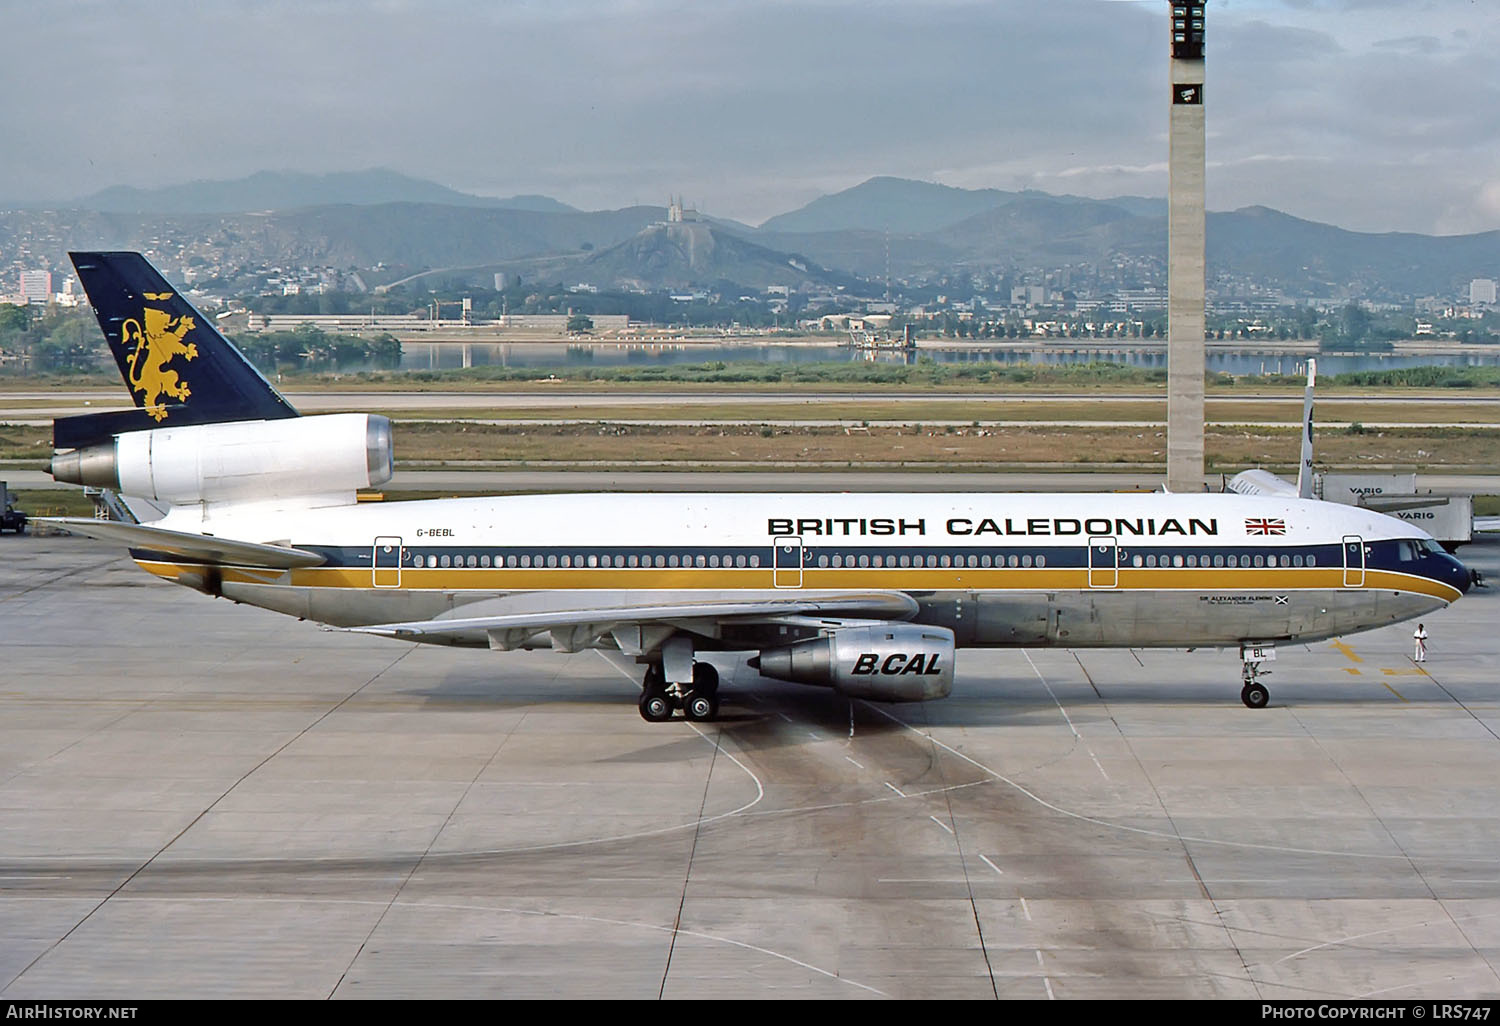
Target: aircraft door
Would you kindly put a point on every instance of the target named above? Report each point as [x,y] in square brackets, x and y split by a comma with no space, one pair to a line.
[1354,561]
[1104,557]
[786,562]
[385,563]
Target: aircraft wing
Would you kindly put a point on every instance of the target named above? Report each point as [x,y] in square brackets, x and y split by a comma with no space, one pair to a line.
[885,605]
[199,548]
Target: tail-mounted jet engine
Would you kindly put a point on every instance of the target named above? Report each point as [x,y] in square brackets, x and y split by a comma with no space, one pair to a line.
[329,455]
[888,663]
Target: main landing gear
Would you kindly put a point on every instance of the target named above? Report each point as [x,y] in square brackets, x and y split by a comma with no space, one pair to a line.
[699,701]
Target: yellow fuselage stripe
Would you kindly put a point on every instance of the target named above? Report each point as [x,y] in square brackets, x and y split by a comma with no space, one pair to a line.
[1129,579]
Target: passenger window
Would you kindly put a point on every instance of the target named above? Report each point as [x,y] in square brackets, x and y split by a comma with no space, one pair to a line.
[1041,560]
[1026,561]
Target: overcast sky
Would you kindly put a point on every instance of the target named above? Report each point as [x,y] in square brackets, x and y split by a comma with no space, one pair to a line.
[1375,115]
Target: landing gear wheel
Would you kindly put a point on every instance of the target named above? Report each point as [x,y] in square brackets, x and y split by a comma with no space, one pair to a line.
[656,706]
[700,707]
[1255,696]
[705,679]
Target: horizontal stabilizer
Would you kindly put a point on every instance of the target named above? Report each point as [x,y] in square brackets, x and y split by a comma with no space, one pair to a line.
[193,548]
[1396,503]
[876,605]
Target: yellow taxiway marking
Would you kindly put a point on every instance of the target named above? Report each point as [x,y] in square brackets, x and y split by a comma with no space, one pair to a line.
[1414,672]
[1348,652]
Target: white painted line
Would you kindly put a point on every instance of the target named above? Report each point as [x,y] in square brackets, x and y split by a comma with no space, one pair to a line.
[1179,837]
[1066,718]
[893,787]
[855,763]
[940,823]
[1046,980]
[1027,909]
[996,868]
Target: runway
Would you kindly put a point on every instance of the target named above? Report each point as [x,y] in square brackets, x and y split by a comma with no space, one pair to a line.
[42,406]
[204,800]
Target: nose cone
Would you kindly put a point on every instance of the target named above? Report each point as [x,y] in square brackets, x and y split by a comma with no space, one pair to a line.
[1458,574]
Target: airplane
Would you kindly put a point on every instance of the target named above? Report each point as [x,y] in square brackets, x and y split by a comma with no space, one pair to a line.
[868,594]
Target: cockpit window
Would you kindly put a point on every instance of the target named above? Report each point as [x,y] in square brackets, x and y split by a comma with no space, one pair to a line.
[1406,550]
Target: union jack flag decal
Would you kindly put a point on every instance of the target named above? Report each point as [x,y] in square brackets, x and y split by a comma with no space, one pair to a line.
[1265,525]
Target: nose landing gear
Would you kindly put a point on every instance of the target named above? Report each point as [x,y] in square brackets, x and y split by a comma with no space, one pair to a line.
[1254,693]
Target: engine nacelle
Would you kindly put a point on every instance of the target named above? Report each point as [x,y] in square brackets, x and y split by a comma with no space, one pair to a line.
[330,455]
[890,663]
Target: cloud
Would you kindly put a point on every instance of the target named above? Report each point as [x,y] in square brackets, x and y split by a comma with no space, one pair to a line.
[751,106]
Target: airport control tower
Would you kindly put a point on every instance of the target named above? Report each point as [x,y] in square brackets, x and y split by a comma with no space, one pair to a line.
[1185,252]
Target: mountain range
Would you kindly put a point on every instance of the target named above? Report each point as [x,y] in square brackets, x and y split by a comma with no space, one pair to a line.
[290,190]
[882,226]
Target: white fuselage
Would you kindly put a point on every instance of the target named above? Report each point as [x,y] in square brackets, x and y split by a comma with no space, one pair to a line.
[999,569]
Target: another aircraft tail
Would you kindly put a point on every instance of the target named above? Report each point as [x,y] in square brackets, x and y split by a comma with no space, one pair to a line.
[180,370]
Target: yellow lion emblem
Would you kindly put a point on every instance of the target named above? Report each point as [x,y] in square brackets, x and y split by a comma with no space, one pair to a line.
[151,349]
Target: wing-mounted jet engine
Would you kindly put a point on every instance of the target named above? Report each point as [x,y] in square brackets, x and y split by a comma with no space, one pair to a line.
[886,662]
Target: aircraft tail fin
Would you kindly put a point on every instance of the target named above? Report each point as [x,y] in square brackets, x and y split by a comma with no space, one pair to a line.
[178,367]
[1305,468]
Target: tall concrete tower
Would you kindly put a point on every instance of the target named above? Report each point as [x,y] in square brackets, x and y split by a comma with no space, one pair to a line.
[1185,252]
